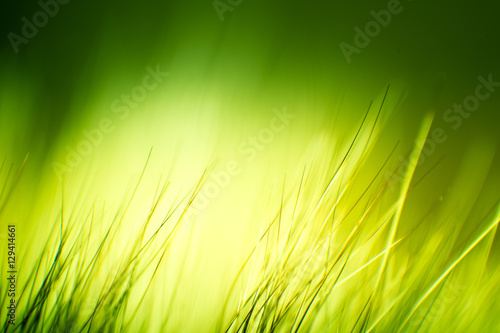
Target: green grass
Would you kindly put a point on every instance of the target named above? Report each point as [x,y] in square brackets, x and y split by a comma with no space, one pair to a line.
[338,251]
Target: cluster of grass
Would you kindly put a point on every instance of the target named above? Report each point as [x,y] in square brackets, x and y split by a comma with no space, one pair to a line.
[333,257]
[341,265]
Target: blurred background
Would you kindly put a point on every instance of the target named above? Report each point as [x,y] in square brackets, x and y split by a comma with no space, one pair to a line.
[229,65]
